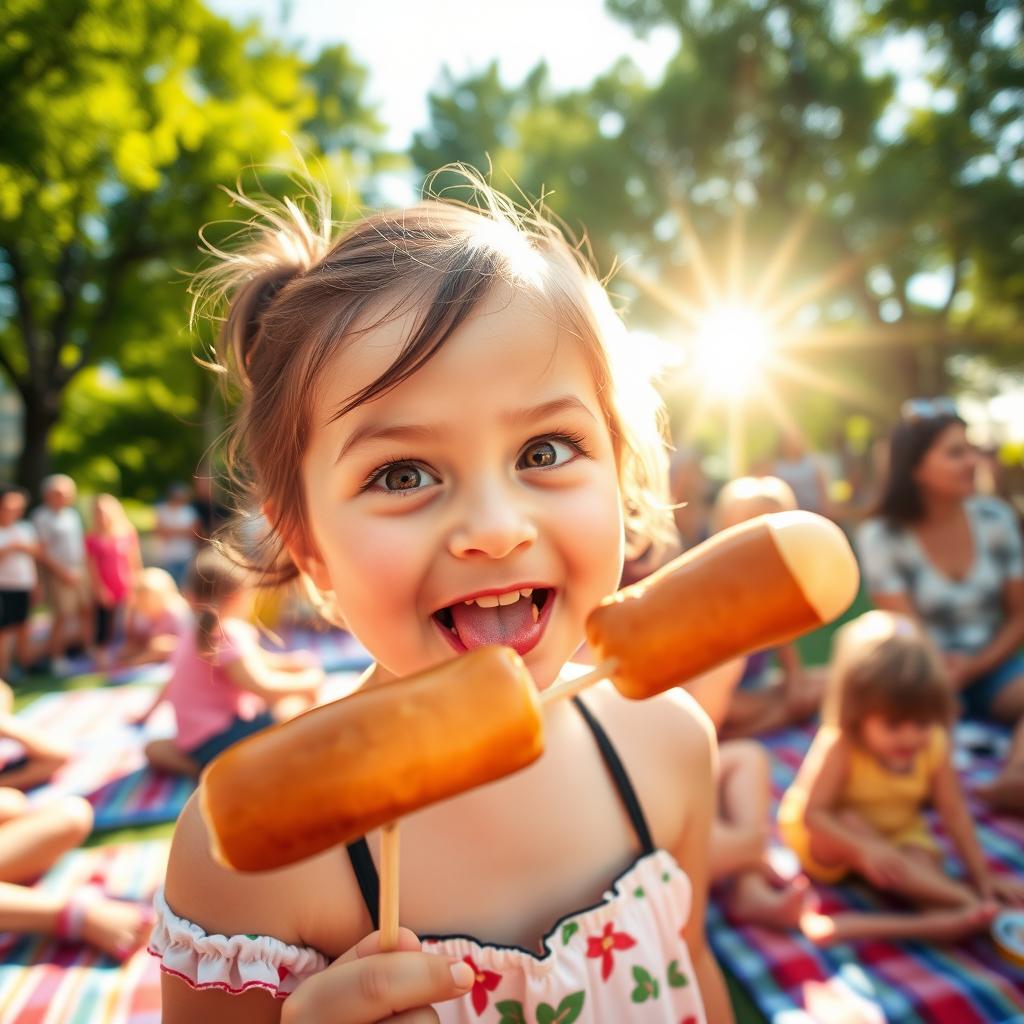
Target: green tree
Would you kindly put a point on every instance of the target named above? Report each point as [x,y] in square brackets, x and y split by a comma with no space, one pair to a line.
[773,122]
[120,120]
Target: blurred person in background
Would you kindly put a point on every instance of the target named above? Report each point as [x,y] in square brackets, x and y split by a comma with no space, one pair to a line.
[953,559]
[177,528]
[114,560]
[19,550]
[65,577]
[158,616]
[803,471]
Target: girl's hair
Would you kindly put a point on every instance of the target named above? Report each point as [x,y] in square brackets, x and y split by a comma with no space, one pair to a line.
[751,496]
[212,579]
[153,580]
[884,664]
[299,292]
[117,519]
[901,501]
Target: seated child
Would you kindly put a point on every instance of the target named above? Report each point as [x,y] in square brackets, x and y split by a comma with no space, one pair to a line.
[881,755]
[157,618]
[223,685]
[775,689]
[33,837]
[37,760]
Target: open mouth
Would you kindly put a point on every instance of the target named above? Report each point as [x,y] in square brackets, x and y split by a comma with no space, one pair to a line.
[513,619]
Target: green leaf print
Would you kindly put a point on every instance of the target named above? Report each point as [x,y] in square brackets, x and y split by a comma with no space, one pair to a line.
[568,931]
[511,1011]
[646,986]
[638,892]
[568,1010]
[676,978]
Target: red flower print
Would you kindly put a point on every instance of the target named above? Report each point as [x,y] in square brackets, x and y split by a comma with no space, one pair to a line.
[602,946]
[484,982]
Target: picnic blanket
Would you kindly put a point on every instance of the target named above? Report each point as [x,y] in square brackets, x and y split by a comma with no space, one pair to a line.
[43,981]
[792,981]
[108,767]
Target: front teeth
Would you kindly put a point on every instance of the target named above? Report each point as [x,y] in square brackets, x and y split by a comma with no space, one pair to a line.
[493,600]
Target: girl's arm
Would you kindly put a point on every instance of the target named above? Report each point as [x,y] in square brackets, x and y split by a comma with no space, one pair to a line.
[361,986]
[824,773]
[948,798]
[253,672]
[99,588]
[693,854]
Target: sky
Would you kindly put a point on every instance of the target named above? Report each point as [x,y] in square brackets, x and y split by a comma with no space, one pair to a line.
[405,43]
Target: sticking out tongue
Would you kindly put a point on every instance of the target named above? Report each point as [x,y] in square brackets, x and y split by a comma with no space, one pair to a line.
[511,625]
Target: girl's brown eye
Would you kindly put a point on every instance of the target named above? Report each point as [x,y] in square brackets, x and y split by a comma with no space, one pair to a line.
[539,455]
[402,478]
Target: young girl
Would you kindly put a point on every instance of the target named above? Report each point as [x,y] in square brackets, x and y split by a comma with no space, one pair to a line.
[157,619]
[114,559]
[223,684]
[856,803]
[444,421]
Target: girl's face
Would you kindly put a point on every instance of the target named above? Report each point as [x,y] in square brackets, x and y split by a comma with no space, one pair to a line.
[895,744]
[948,467]
[476,502]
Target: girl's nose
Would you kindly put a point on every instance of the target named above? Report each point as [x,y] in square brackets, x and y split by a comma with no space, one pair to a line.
[492,523]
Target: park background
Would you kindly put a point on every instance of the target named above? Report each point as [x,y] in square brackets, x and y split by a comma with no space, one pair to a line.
[815,209]
[818,208]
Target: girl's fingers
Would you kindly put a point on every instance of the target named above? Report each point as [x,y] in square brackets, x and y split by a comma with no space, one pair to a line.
[364,986]
[424,1015]
[408,942]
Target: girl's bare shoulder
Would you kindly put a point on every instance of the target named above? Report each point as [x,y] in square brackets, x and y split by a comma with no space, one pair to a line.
[314,903]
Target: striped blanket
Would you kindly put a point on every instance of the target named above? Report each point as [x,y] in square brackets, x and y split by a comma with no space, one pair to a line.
[46,982]
[905,983]
[108,766]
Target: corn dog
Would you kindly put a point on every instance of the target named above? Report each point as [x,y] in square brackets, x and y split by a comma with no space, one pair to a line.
[342,770]
[756,585]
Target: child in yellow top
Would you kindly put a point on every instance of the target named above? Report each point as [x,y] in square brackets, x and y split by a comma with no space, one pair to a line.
[882,755]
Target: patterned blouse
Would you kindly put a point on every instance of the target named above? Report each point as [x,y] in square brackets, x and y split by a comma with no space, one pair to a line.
[961,615]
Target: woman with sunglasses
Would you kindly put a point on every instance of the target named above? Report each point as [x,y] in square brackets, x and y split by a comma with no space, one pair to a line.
[937,550]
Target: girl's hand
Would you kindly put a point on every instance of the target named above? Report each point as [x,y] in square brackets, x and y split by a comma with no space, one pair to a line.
[364,985]
[883,866]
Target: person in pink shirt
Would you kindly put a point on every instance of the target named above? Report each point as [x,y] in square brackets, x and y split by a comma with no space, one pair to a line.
[223,685]
[114,559]
[157,619]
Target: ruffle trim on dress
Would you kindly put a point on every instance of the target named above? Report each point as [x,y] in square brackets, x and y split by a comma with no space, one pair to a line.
[230,963]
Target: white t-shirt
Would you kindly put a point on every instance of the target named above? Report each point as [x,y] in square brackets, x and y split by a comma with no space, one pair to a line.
[60,533]
[177,549]
[17,569]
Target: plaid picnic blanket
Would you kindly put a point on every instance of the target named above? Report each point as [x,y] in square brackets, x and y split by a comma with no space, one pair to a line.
[43,981]
[791,980]
[108,767]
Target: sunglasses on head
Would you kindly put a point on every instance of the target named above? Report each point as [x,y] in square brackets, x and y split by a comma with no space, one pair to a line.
[927,408]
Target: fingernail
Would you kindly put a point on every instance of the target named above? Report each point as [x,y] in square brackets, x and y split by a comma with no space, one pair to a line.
[462,974]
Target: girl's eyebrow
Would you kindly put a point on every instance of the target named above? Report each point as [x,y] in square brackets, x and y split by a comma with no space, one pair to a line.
[428,431]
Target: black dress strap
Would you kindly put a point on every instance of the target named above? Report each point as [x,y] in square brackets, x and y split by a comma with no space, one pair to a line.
[367,877]
[366,871]
[619,777]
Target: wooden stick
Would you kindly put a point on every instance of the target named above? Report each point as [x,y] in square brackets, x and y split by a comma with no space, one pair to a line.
[389,887]
[570,687]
